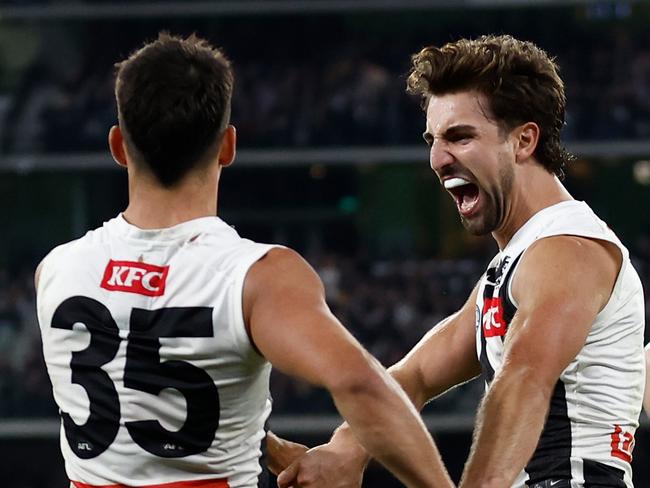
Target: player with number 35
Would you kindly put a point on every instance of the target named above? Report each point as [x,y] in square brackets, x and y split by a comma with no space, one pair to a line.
[160,327]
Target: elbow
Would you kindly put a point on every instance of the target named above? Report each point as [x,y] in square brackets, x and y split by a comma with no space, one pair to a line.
[536,374]
[412,381]
[527,381]
[366,379]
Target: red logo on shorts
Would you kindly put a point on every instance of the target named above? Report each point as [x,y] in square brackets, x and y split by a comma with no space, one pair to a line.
[135,277]
[493,323]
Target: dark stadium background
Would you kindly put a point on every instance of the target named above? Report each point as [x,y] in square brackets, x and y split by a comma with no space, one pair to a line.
[330,162]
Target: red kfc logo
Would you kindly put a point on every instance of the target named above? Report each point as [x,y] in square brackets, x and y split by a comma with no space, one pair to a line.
[493,323]
[135,277]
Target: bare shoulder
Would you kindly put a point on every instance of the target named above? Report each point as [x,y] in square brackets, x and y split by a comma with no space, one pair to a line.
[572,252]
[282,276]
[568,263]
[279,258]
[279,267]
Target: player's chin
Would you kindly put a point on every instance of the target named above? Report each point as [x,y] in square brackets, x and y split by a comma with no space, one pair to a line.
[477,225]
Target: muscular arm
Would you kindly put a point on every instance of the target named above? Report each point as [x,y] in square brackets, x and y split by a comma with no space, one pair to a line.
[561,285]
[444,357]
[290,324]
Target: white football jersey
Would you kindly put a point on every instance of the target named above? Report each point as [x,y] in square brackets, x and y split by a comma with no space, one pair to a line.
[589,432]
[151,365]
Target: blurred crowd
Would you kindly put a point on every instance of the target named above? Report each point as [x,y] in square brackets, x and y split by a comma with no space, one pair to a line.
[309,81]
[302,82]
[25,389]
[388,305]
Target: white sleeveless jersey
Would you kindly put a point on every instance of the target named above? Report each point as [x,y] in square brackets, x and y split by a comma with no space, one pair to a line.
[589,433]
[152,368]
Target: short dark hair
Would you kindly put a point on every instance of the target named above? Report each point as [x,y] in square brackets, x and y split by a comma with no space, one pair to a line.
[173,102]
[518,78]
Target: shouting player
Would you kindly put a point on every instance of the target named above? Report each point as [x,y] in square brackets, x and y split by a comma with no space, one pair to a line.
[555,325]
[160,327]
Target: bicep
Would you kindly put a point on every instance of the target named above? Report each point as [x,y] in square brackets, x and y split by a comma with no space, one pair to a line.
[291,324]
[561,286]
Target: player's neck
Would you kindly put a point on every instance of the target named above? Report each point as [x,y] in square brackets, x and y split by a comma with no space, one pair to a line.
[533,193]
[152,206]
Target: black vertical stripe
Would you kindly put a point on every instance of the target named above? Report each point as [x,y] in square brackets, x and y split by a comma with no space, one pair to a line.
[551,458]
[599,475]
[491,278]
[551,461]
[486,367]
[488,292]
[509,308]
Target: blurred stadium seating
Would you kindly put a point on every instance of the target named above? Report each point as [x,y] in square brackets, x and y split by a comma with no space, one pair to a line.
[331,164]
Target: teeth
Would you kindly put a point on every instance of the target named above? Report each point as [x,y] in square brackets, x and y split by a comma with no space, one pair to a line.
[455,182]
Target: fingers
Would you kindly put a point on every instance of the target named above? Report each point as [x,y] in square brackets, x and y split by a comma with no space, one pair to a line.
[287,478]
[274,468]
[282,460]
[281,452]
[320,467]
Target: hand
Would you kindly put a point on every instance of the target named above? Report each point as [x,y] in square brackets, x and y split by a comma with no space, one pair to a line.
[281,452]
[323,467]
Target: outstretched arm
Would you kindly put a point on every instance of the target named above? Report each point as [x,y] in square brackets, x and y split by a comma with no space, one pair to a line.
[291,325]
[561,285]
[444,358]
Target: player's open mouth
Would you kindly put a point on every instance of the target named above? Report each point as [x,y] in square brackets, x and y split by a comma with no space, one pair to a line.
[465,193]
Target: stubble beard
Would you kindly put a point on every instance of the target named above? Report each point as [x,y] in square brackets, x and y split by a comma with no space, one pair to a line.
[491,216]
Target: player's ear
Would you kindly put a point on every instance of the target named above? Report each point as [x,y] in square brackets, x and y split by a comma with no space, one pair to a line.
[527,138]
[116,144]
[227,150]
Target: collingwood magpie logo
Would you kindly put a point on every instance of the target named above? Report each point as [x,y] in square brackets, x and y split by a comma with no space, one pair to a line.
[501,270]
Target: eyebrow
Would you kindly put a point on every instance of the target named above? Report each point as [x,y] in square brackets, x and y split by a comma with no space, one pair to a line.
[450,132]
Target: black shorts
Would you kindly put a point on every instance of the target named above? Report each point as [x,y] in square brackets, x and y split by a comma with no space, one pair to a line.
[551,483]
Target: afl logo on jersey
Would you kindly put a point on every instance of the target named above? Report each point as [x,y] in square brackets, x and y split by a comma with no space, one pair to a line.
[493,323]
[135,277]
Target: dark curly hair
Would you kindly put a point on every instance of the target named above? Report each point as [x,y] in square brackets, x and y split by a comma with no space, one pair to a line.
[518,78]
[173,102]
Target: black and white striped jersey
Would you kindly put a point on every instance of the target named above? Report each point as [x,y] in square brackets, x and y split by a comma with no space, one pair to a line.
[588,437]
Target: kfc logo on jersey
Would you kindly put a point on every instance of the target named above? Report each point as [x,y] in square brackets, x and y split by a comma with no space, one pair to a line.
[493,323]
[135,277]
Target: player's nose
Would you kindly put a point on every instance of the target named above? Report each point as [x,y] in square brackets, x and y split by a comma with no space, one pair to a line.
[440,156]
